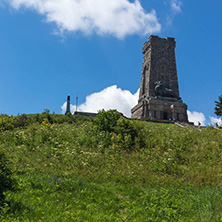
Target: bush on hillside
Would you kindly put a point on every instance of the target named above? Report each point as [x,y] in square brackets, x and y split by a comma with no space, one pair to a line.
[21,121]
[107,120]
[6,181]
[119,132]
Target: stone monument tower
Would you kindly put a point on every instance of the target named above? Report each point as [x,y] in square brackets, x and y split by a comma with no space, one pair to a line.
[68,105]
[159,92]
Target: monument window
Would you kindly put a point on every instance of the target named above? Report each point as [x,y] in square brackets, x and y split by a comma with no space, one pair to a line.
[147,110]
[144,81]
[178,116]
[165,115]
[154,113]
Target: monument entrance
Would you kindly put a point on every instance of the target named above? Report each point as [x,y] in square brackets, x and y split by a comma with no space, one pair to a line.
[159,92]
[165,116]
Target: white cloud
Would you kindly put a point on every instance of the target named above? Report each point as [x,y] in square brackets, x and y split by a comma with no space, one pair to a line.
[176,6]
[115,17]
[214,120]
[195,117]
[72,108]
[110,98]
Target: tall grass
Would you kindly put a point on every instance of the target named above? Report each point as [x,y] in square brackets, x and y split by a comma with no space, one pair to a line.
[69,170]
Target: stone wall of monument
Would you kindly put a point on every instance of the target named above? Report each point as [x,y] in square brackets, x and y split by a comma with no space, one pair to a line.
[155,109]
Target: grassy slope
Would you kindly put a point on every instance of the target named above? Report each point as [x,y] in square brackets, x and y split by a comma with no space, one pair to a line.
[66,172]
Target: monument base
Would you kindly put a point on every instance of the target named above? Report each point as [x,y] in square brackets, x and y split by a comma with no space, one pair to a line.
[159,108]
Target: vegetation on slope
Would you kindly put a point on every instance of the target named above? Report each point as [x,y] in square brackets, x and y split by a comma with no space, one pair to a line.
[70,168]
[218,107]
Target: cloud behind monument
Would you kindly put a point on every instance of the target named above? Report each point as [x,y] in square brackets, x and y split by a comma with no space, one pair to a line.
[109,98]
[215,121]
[116,17]
[195,116]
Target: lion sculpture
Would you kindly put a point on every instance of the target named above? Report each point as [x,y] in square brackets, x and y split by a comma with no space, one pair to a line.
[161,90]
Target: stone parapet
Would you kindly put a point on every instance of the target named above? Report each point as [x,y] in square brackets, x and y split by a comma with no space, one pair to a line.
[159,109]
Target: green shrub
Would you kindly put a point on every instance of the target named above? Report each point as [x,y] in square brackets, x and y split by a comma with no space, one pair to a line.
[6,181]
[107,120]
[21,121]
[124,134]
[120,132]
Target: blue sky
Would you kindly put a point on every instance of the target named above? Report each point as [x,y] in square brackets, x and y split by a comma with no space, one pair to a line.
[93,48]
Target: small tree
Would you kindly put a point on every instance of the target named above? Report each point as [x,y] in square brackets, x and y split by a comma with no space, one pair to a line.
[46,111]
[218,107]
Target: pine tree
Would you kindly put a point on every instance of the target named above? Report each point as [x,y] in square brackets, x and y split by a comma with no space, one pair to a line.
[218,107]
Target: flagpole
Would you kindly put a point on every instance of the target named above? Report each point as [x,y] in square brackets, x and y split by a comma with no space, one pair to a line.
[172,107]
[77,102]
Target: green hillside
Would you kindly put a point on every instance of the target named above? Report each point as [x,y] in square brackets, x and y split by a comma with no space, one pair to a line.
[73,168]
